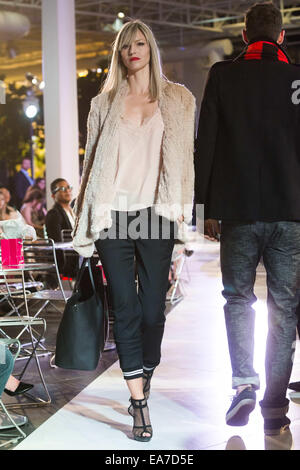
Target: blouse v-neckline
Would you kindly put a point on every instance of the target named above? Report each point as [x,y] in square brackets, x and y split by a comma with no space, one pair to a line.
[145,122]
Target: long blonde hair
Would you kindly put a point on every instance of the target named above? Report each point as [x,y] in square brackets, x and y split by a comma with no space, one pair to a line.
[117,70]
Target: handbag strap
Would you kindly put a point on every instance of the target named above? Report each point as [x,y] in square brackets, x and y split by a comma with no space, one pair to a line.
[91,276]
[80,274]
[105,307]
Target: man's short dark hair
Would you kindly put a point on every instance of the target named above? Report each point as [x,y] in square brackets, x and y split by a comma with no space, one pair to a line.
[54,184]
[263,20]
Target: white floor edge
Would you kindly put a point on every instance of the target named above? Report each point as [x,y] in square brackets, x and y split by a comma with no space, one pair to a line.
[191,388]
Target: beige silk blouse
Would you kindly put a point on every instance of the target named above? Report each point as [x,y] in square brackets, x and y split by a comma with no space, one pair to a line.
[139,163]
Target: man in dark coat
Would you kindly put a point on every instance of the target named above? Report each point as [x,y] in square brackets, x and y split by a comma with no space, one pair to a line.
[61,217]
[22,182]
[247,165]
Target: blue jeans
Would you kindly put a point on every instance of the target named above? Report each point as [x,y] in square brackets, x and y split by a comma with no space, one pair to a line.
[6,366]
[242,247]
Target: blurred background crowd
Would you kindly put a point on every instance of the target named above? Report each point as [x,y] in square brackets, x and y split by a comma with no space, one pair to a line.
[27,197]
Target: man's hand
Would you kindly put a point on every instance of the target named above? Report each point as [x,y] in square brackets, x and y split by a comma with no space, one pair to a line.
[212,230]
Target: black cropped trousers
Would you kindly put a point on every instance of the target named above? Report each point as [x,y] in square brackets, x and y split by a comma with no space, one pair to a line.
[139,315]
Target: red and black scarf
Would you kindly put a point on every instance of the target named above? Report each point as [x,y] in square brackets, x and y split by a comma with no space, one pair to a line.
[264,49]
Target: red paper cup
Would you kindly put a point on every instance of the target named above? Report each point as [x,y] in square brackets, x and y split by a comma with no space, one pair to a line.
[12,252]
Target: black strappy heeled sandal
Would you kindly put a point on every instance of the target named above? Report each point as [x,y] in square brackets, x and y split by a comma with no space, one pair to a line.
[141,417]
[147,376]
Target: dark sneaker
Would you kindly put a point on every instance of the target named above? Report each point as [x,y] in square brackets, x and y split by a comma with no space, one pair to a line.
[275,419]
[241,406]
[294,386]
[273,427]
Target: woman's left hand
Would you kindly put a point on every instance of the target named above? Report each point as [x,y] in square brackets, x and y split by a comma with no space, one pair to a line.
[180,219]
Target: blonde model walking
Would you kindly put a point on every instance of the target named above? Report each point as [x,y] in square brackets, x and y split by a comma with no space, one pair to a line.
[138,170]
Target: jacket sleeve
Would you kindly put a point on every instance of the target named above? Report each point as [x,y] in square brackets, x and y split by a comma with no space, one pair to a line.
[206,138]
[93,125]
[188,170]
[93,130]
[53,225]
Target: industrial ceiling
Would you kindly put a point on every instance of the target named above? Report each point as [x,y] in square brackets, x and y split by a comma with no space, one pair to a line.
[176,23]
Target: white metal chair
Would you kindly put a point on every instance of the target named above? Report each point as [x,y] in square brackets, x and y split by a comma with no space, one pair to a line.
[16,287]
[66,235]
[41,255]
[27,324]
[15,437]
[43,251]
[70,257]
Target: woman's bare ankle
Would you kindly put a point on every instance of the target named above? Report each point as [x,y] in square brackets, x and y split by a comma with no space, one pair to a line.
[12,383]
[241,388]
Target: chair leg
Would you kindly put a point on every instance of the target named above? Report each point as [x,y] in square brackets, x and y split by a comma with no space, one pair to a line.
[45,351]
[14,438]
[15,309]
[38,363]
[37,400]
[51,363]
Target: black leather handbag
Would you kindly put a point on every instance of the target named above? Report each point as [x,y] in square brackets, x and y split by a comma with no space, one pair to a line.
[83,329]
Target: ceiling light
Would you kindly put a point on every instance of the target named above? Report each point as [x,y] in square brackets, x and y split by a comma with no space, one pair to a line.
[31,107]
[31,111]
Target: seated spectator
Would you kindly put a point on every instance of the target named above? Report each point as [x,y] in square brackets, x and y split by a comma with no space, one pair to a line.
[33,213]
[6,212]
[39,184]
[61,217]
[15,387]
[6,193]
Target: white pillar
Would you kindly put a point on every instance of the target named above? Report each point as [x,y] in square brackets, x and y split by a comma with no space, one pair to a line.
[2,92]
[60,93]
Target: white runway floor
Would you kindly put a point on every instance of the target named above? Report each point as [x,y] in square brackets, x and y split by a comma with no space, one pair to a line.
[191,389]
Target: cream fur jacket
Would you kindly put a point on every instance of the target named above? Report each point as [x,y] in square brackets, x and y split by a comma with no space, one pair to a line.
[175,192]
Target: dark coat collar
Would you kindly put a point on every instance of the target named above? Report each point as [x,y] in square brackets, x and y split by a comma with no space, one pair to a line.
[264,48]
